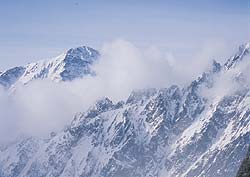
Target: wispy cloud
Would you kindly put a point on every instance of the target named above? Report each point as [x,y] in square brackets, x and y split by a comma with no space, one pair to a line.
[44,106]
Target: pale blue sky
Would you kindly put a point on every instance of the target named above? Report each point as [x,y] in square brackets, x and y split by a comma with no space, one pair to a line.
[37,29]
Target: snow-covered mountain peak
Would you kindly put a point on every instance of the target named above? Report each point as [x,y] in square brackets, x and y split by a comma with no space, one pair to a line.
[216,68]
[243,51]
[72,64]
[83,52]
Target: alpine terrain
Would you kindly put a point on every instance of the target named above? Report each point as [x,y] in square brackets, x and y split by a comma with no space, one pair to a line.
[200,130]
[72,64]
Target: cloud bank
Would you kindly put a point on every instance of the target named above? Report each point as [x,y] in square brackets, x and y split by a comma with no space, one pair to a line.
[44,106]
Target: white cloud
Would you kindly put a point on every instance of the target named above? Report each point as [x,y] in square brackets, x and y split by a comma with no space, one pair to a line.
[229,81]
[44,106]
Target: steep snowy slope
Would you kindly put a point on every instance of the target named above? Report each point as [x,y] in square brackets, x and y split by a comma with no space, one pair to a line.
[74,63]
[172,132]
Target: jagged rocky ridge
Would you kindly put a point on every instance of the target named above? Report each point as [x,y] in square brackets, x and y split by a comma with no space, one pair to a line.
[171,132]
[72,64]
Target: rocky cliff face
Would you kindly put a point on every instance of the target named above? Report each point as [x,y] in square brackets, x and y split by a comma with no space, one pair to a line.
[244,170]
[195,131]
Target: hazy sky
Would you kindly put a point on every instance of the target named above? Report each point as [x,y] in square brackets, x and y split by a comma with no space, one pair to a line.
[37,29]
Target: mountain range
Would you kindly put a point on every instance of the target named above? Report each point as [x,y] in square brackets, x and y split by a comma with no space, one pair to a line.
[199,130]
